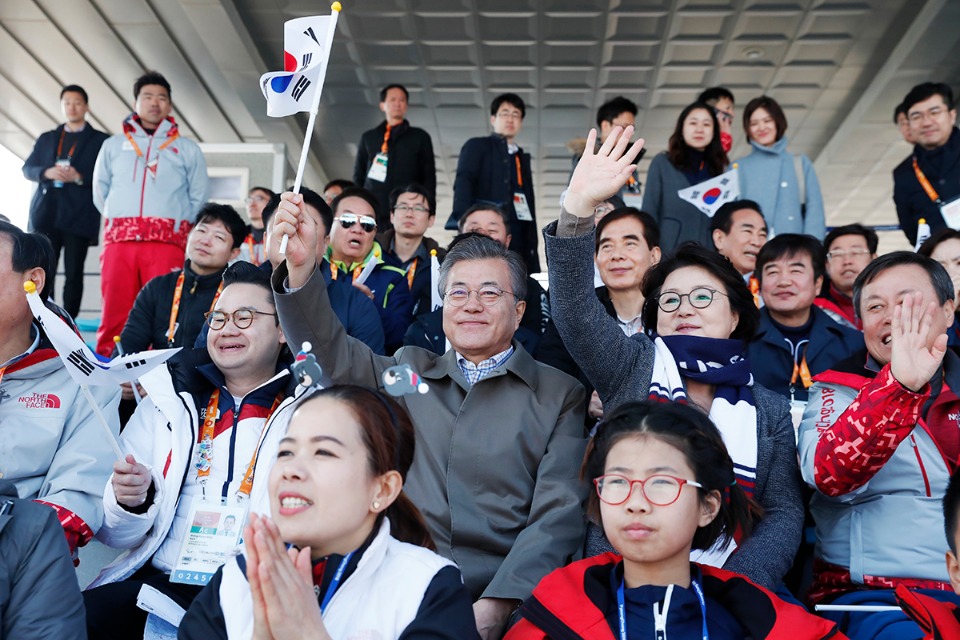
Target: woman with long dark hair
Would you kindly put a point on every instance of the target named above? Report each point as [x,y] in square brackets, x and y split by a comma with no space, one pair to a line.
[694,155]
[359,559]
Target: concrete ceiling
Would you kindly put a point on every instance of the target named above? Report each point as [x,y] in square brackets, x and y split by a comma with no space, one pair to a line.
[838,67]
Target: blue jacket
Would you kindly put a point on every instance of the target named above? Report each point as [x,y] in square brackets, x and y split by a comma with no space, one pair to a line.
[391,293]
[772,361]
[768,177]
[356,312]
[486,172]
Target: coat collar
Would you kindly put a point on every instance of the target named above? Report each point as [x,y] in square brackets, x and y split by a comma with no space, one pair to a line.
[521,364]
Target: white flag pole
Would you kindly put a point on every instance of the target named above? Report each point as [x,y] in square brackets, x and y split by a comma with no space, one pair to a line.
[335,8]
[112,439]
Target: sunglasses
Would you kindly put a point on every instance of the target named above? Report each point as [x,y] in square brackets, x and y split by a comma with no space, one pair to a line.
[347,220]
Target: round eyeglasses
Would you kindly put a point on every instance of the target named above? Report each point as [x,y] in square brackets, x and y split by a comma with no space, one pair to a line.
[242,318]
[488,296]
[660,490]
[699,298]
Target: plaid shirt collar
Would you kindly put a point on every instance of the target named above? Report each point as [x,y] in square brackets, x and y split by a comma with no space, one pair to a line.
[474,373]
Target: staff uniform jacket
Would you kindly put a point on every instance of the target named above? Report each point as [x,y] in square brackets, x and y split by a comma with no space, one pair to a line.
[679,221]
[772,362]
[393,591]
[52,447]
[149,320]
[409,161]
[768,176]
[68,208]
[421,291]
[39,595]
[495,471]
[163,435]
[577,603]
[878,470]
[487,172]
[621,369]
[148,197]
[941,166]
[391,293]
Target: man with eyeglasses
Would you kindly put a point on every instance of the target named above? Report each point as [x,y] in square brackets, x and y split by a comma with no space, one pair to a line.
[495,169]
[412,213]
[353,252]
[928,186]
[394,154]
[252,249]
[192,444]
[499,436]
[721,99]
[616,112]
[850,249]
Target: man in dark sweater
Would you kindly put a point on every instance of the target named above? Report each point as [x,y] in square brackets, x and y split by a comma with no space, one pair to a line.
[394,154]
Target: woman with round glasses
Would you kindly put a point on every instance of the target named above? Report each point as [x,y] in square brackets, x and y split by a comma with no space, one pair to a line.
[694,155]
[784,185]
[698,315]
[345,553]
[664,485]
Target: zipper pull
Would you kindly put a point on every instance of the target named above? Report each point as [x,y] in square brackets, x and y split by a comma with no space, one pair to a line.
[193,289]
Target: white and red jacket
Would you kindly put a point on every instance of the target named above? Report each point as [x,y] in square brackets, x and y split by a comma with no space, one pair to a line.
[879,457]
[147,186]
[164,433]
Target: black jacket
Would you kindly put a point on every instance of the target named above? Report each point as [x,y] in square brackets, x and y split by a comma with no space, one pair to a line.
[409,160]
[941,166]
[68,208]
[149,320]
[486,172]
[421,290]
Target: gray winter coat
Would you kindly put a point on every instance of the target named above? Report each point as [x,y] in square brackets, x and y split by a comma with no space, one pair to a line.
[39,594]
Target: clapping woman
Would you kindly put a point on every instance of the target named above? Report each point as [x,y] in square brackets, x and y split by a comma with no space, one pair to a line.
[345,554]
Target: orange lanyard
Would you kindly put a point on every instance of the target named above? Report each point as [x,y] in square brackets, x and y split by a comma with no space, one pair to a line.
[803,371]
[60,145]
[412,271]
[136,148]
[254,258]
[516,157]
[3,370]
[755,290]
[334,271]
[205,453]
[931,192]
[386,139]
[175,307]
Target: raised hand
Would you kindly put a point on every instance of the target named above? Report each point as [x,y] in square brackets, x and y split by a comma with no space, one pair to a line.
[912,362]
[292,219]
[130,482]
[602,173]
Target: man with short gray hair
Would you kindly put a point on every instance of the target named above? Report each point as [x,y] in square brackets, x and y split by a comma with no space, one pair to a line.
[499,435]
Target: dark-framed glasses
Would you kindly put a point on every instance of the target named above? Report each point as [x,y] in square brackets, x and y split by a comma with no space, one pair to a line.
[242,318]
[488,296]
[347,220]
[699,298]
[403,208]
[659,489]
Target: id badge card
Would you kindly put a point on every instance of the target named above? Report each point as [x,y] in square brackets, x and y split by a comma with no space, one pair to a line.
[951,213]
[212,536]
[521,208]
[634,200]
[797,408]
[378,170]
